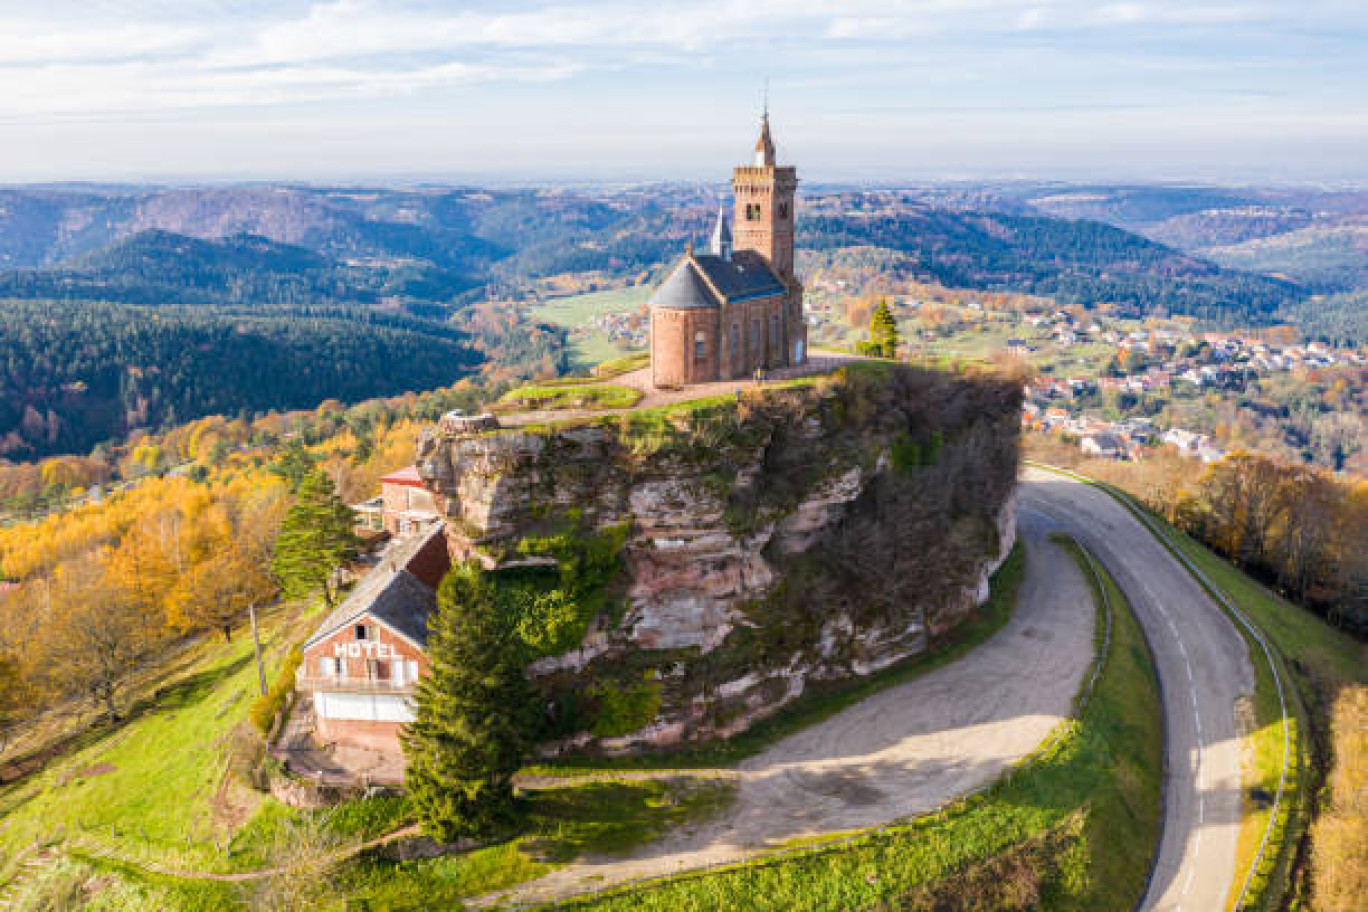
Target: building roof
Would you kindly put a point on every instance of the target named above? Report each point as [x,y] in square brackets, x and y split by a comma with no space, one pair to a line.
[684,289]
[399,592]
[408,476]
[745,275]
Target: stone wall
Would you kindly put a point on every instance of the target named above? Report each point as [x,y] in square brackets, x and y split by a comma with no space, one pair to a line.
[808,533]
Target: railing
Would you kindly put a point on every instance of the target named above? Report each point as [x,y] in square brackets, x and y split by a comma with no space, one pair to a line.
[334,684]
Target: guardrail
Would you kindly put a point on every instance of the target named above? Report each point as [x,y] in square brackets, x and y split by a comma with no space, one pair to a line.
[1158,532]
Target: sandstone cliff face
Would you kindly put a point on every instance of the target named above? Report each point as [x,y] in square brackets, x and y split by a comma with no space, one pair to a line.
[802,534]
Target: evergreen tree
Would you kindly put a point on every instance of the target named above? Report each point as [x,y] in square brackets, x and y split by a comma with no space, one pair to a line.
[883,331]
[294,464]
[469,732]
[316,536]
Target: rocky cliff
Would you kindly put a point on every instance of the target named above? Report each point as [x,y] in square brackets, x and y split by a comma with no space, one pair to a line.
[806,532]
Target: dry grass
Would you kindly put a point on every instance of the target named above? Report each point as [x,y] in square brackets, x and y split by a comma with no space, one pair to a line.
[1340,862]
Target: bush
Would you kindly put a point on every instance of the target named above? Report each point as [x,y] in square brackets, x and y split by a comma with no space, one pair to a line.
[623,710]
[265,709]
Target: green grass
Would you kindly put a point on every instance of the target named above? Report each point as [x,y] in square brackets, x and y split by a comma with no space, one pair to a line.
[821,700]
[562,824]
[146,788]
[577,310]
[573,395]
[623,365]
[589,345]
[1098,777]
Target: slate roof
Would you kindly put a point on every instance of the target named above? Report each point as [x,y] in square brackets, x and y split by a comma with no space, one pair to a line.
[399,592]
[744,275]
[684,289]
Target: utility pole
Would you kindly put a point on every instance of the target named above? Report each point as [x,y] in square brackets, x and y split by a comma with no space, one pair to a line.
[256,645]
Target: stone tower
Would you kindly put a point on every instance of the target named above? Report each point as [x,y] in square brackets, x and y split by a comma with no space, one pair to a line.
[764,218]
[764,207]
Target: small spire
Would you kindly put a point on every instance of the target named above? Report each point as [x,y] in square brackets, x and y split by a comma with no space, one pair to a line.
[764,146]
[721,243]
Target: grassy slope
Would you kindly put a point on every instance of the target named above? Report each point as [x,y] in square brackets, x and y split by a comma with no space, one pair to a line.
[147,789]
[591,346]
[1099,777]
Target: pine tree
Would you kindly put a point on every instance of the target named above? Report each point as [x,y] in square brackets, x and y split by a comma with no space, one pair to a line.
[316,536]
[469,732]
[883,331]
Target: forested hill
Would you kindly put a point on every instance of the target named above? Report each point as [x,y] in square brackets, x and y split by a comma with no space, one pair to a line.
[74,373]
[1075,261]
[159,268]
[161,327]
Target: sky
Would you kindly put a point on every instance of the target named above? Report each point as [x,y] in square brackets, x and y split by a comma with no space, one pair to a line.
[1227,91]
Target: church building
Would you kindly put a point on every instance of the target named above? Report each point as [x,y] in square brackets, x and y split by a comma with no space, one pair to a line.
[738,307]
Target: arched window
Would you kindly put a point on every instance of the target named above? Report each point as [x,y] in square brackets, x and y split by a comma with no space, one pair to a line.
[736,345]
[752,212]
[757,341]
[700,345]
[774,332]
[783,210]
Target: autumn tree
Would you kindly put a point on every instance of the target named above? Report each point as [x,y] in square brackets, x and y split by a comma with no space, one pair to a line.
[216,592]
[98,640]
[469,732]
[316,537]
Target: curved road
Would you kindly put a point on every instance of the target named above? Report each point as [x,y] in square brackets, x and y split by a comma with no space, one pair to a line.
[906,750]
[1203,668]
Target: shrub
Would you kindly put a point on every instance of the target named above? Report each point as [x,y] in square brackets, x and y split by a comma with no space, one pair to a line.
[623,710]
[265,709]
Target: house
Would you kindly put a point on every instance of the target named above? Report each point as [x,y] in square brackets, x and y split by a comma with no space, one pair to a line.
[1103,444]
[404,508]
[362,662]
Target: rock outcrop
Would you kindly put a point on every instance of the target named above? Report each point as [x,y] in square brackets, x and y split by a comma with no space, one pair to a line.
[800,534]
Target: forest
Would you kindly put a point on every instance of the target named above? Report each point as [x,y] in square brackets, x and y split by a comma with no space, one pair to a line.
[1077,262]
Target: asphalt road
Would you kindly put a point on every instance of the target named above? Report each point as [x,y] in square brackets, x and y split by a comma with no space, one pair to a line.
[1204,669]
[904,751]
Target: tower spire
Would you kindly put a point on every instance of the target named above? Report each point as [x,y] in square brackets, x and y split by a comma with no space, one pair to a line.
[721,243]
[764,146]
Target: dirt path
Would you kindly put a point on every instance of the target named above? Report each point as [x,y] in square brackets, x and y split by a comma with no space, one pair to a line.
[905,751]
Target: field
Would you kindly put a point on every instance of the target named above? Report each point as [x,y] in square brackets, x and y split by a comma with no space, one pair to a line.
[590,345]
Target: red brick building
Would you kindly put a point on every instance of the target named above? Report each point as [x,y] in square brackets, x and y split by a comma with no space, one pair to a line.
[361,664]
[723,314]
[403,509]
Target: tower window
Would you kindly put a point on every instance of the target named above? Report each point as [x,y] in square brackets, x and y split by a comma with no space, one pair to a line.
[700,345]
[752,212]
[783,210]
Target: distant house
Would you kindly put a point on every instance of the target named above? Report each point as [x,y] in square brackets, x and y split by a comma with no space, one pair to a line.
[1104,445]
[404,508]
[361,664]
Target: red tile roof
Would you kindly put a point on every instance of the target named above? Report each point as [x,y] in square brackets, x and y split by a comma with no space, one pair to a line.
[406,476]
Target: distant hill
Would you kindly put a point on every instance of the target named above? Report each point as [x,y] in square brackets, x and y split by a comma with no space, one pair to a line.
[1311,235]
[1074,260]
[1331,258]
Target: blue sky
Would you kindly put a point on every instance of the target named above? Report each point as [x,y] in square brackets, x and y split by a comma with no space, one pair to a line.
[1212,90]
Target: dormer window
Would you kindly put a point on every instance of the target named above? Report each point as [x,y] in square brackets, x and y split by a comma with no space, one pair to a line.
[362,632]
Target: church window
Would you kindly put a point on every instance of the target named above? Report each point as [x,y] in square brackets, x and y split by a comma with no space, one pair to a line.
[752,212]
[757,340]
[783,210]
[700,345]
[736,343]
[774,331]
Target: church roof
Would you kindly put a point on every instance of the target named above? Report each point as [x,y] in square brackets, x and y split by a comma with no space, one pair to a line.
[742,276]
[684,289]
